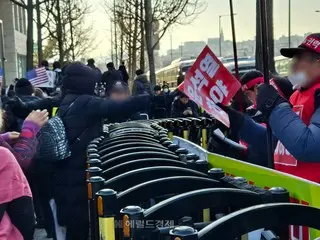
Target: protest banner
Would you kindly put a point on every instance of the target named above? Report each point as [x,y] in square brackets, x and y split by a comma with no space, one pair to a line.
[208,82]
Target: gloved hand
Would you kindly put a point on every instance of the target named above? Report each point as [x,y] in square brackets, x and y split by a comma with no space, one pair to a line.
[236,118]
[267,99]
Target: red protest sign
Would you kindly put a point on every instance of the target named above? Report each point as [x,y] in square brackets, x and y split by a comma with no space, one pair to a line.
[208,82]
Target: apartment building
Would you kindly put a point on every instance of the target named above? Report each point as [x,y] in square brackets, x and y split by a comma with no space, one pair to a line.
[14,23]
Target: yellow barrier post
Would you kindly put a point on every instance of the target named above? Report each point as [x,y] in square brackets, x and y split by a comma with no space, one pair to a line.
[107,205]
[94,184]
[132,223]
[169,126]
[184,233]
[204,133]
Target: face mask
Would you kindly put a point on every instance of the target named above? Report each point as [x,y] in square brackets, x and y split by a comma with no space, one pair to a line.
[166,90]
[298,79]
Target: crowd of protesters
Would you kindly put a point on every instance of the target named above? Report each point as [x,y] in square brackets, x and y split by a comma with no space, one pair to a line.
[55,192]
[59,189]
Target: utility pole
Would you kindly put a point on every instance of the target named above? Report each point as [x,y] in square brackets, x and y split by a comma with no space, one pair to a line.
[30,35]
[171,50]
[289,23]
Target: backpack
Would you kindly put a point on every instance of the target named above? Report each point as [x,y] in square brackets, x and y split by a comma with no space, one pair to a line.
[53,142]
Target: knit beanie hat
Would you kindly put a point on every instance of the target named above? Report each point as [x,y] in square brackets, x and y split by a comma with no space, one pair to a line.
[79,79]
[251,79]
[23,87]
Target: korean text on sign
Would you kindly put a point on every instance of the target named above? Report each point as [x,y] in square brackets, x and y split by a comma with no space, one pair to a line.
[208,82]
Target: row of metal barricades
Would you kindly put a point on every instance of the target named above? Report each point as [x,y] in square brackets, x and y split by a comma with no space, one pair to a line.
[143,186]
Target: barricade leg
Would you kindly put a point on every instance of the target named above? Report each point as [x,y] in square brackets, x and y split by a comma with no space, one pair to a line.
[184,233]
[106,205]
[93,172]
[281,195]
[204,139]
[132,223]
[185,134]
[94,185]
[93,163]
[216,173]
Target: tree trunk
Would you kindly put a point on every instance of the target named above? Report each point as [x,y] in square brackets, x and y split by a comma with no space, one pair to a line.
[149,41]
[270,32]
[121,46]
[115,34]
[39,32]
[30,36]
[59,33]
[71,31]
[142,38]
[135,36]
[259,58]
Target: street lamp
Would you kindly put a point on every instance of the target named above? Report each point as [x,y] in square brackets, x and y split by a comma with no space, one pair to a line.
[289,24]
[221,16]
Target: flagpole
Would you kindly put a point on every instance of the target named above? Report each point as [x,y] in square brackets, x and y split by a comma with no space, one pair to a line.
[233,28]
[265,55]
[239,95]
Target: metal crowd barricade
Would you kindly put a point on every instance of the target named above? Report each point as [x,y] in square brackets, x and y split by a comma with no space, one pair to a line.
[119,190]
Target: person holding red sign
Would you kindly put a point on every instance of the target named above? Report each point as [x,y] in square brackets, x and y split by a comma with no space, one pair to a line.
[294,123]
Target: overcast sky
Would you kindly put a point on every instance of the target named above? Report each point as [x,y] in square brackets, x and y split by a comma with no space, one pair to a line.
[304,19]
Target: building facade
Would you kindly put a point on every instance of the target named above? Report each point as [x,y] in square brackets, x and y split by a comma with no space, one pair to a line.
[14,30]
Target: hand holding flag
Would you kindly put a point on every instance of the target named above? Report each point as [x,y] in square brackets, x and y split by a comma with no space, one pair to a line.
[38,76]
[208,82]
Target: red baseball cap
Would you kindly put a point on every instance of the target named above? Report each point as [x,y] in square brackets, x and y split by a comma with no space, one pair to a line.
[310,44]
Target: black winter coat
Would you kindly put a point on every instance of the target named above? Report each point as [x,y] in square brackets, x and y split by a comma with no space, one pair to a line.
[83,120]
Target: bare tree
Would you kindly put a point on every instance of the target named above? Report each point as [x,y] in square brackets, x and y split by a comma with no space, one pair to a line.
[66,27]
[29,7]
[166,14]
[143,36]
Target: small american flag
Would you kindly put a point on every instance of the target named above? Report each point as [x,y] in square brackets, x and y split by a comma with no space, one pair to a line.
[38,76]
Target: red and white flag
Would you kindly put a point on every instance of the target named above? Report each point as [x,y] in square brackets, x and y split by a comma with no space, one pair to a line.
[208,82]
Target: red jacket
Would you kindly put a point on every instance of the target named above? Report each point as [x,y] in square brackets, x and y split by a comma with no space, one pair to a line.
[303,105]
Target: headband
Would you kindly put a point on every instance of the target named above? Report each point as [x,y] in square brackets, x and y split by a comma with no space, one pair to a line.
[252,83]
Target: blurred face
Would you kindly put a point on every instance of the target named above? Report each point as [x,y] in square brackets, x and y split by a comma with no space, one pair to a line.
[157,93]
[305,69]
[251,94]
[184,100]
[119,96]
